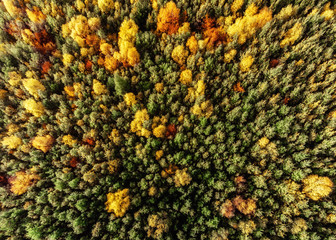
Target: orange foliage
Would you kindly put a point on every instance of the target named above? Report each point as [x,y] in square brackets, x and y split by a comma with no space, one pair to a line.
[88,65]
[238,88]
[12,29]
[244,206]
[92,40]
[168,18]
[208,22]
[227,209]
[171,169]
[215,35]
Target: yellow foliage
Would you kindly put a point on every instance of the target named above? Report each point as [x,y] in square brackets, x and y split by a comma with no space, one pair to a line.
[180,118]
[14,79]
[186,77]
[154,4]
[11,8]
[70,90]
[33,86]
[157,121]
[113,166]
[246,63]
[36,16]
[80,5]
[77,28]
[94,23]
[182,178]
[33,107]
[185,28]
[106,48]
[203,110]
[327,12]
[313,12]
[152,191]
[43,143]
[110,63]
[77,89]
[127,35]
[12,142]
[236,5]
[105,5]
[246,26]
[200,88]
[130,99]
[133,57]
[159,131]
[292,35]
[287,12]
[263,142]
[137,123]
[332,114]
[67,59]
[68,140]
[168,18]
[196,91]
[115,136]
[179,54]
[22,181]
[247,227]
[230,55]
[12,128]
[157,225]
[299,225]
[192,44]
[331,218]
[298,198]
[118,202]
[98,88]
[128,31]
[159,87]
[316,187]
[158,154]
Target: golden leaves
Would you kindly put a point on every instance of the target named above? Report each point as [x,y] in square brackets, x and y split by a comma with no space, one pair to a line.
[316,187]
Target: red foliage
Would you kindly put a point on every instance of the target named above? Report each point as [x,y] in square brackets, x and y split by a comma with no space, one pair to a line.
[274,63]
[43,42]
[88,65]
[3,180]
[286,100]
[171,130]
[45,67]
[73,162]
[89,141]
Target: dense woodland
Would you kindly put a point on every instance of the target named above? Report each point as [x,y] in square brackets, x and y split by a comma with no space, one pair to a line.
[155,119]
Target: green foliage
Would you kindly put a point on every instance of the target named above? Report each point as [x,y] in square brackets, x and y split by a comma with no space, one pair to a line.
[121,85]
